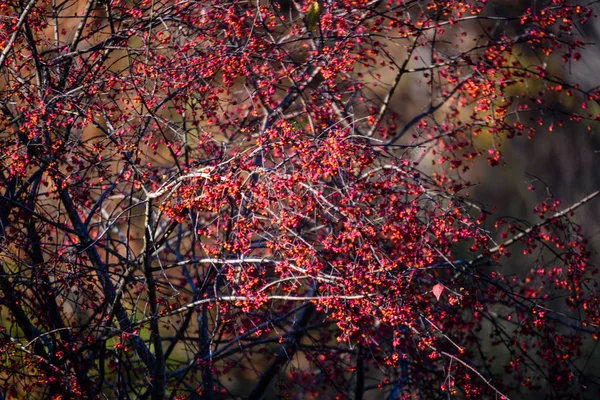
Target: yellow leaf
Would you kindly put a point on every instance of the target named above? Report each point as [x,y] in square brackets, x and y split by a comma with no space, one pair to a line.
[314,12]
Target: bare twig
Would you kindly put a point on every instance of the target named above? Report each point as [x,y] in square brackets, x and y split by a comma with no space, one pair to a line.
[13,37]
[286,353]
[527,231]
[425,113]
[472,369]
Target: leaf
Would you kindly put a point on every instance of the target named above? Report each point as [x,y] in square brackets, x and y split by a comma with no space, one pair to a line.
[314,12]
[437,291]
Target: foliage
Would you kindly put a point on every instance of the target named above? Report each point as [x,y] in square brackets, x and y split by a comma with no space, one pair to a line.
[229,198]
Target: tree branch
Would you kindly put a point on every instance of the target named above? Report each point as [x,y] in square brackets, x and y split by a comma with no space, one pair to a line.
[286,352]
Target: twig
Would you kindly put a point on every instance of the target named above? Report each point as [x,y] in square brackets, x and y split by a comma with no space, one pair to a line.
[285,354]
[12,39]
[390,93]
[246,298]
[158,378]
[425,113]
[530,229]
[487,381]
